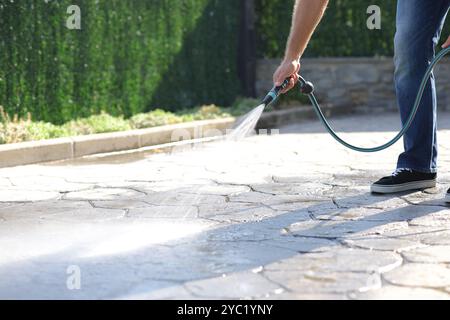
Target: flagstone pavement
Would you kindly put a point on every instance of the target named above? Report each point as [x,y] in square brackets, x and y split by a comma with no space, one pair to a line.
[285,216]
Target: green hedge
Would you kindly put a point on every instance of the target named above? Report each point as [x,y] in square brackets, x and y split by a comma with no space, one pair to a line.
[343,31]
[140,55]
[129,57]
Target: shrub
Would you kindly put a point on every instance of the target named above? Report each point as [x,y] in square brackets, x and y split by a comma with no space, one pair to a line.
[101,123]
[2,133]
[203,113]
[128,56]
[243,105]
[154,118]
[19,130]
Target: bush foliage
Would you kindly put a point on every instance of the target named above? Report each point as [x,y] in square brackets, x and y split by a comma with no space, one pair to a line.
[128,57]
[132,57]
[19,129]
[343,31]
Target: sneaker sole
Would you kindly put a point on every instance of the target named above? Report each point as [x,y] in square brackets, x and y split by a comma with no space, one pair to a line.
[447,198]
[416,185]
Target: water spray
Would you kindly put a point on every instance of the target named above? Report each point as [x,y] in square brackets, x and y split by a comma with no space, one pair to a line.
[307,88]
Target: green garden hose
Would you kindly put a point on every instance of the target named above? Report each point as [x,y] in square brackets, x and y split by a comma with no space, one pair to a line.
[307,88]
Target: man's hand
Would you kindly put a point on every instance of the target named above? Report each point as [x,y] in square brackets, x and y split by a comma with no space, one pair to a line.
[287,69]
[306,17]
[446,44]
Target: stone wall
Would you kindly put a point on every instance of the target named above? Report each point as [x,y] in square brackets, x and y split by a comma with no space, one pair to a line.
[352,82]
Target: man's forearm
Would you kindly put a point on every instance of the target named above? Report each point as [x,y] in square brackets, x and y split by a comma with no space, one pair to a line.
[307,15]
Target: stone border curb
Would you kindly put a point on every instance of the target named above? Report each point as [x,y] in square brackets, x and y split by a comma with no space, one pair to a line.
[24,153]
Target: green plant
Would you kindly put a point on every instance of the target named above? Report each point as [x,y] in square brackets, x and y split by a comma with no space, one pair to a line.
[2,133]
[101,123]
[210,112]
[127,57]
[19,129]
[154,118]
[44,130]
[243,105]
[203,113]
[343,31]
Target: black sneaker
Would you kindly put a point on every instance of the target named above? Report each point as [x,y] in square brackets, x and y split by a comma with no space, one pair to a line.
[405,180]
[447,196]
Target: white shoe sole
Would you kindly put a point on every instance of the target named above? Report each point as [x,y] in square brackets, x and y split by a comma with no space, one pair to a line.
[416,185]
[447,198]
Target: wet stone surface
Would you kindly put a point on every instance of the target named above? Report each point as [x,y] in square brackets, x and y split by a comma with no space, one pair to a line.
[288,216]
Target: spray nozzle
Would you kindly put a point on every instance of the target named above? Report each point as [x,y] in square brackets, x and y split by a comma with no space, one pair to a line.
[306,87]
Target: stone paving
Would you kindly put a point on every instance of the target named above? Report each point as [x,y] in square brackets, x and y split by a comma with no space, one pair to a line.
[286,216]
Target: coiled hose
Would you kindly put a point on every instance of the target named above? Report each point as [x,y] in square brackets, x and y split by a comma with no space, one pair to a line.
[307,88]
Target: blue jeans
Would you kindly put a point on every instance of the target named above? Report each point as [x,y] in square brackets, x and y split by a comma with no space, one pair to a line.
[419,26]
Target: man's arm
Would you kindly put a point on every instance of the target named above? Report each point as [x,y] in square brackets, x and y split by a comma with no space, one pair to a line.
[307,15]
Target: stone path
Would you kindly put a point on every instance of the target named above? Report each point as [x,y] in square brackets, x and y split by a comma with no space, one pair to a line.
[287,216]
